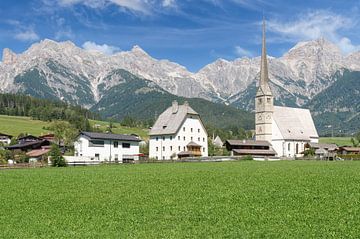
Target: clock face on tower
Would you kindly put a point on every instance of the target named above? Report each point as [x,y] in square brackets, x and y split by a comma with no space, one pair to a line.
[268,116]
[259,117]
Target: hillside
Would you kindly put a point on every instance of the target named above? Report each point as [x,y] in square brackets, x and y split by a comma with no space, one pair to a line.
[15,125]
[144,100]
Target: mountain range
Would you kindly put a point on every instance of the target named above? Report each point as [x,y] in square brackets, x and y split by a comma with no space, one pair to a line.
[308,75]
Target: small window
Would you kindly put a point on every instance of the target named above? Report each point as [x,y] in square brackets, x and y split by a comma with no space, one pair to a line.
[163,138]
[191,130]
[96,143]
[116,157]
[126,145]
[184,138]
[184,129]
[178,137]
[157,138]
[268,100]
[170,148]
[116,144]
[157,157]
[179,148]
[204,150]
[184,149]
[288,146]
[191,138]
[199,139]
[198,130]
[203,139]
[170,137]
[97,156]
[260,100]
[157,149]
[164,127]
[163,148]
[163,157]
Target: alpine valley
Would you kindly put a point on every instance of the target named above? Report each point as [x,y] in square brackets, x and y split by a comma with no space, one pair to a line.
[312,74]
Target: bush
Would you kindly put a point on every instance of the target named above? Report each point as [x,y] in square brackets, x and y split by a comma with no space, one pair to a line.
[247,157]
[56,157]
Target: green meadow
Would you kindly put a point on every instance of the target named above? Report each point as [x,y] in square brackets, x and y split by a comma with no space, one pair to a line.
[287,199]
[14,125]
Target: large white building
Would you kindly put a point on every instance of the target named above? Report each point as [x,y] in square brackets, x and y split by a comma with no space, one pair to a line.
[178,132]
[106,147]
[287,129]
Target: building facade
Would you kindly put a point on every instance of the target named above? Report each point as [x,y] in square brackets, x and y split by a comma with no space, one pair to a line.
[107,147]
[287,129]
[178,132]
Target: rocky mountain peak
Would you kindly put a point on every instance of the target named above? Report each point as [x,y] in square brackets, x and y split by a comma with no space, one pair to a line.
[9,57]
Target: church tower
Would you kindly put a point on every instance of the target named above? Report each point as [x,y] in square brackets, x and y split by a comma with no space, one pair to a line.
[264,100]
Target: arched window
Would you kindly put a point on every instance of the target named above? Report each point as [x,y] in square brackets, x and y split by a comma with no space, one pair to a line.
[288,146]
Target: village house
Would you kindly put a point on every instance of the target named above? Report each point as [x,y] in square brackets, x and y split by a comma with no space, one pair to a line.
[323,151]
[287,129]
[107,147]
[5,138]
[254,148]
[177,133]
[28,143]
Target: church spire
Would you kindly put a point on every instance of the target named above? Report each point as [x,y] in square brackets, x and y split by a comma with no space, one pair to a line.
[264,73]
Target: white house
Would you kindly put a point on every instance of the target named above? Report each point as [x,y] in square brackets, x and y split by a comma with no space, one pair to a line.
[5,139]
[287,129]
[178,132]
[107,147]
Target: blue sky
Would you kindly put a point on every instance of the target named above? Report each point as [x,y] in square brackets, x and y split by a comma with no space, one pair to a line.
[190,32]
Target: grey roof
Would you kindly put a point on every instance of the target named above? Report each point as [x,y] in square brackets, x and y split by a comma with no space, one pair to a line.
[193,144]
[320,151]
[248,142]
[122,137]
[295,123]
[6,135]
[255,151]
[171,119]
[330,147]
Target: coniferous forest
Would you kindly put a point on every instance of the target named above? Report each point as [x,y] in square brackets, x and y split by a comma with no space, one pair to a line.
[45,110]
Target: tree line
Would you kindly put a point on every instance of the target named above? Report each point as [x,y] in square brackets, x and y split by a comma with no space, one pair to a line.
[46,110]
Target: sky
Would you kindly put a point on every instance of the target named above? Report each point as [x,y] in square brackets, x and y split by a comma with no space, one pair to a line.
[192,33]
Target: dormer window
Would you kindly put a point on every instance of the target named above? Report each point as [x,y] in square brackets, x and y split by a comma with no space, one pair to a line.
[164,127]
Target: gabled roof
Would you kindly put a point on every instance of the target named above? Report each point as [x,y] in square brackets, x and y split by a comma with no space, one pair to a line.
[171,119]
[295,123]
[193,144]
[6,135]
[247,142]
[121,137]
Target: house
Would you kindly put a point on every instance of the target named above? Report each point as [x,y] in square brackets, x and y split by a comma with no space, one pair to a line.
[217,142]
[287,129]
[323,151]
[260,148]
[177,133]
[5,138]
[38,154]
[28,143]
[107,147]
[348,150]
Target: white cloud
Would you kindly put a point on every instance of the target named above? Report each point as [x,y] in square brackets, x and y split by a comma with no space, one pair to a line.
[106,49]
[314,25]
[141,6]
[27,35]
[242,51]
[169,3]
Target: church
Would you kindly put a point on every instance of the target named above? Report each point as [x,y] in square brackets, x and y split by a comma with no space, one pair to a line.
[287,129]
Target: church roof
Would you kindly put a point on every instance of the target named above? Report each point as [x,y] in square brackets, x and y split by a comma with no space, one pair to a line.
[294,123]
[172,119]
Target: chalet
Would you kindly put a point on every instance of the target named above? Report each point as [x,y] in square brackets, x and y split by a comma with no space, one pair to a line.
[260,148]
[177,133]
[28,143]
[349,150]
[217,142]
[323,151]
[5,138]
[107,147]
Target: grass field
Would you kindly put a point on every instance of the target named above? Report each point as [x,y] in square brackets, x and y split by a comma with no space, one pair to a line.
[340,141]
[14,125]
[287,199]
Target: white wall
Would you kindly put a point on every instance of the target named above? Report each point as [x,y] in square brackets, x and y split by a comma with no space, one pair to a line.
[5,141]
[165,147]
[107,152]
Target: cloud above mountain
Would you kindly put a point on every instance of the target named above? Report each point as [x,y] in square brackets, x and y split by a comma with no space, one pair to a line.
[317,24]
[104,48]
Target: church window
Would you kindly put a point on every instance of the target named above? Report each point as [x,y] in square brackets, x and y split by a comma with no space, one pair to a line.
[191,130]
[260,100]
[288,146]
[178,137]
[268,100]
[184,129]
[297,148]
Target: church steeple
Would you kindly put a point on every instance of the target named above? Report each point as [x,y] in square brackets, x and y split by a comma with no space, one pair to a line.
[264,72]
[264,101]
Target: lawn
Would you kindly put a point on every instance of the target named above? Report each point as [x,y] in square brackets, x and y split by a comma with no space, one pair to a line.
[287,199]
[14,125]
[340,141]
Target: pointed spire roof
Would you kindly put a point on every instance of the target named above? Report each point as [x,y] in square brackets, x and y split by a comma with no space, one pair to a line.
[264,72]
